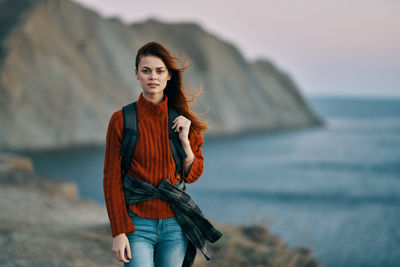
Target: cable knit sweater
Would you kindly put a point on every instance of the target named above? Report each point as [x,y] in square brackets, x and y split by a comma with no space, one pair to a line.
[152,161]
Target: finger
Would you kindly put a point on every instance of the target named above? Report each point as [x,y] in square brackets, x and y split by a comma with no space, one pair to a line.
[178,118]
[176,125]
[116,255]
[122,256]
[129,253]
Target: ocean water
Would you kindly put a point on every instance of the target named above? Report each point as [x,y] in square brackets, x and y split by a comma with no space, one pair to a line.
[333,189]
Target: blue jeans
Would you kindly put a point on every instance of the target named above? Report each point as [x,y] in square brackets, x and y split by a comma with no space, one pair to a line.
[156,242]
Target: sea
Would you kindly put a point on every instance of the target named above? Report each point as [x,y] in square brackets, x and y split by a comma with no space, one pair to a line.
[334,189]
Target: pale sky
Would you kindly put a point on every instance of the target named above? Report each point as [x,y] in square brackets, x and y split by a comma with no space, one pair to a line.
[336,47]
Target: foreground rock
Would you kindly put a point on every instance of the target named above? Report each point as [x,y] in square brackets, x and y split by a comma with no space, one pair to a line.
[44,223]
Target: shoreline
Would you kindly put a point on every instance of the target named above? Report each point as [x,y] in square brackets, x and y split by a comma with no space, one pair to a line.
[210,136]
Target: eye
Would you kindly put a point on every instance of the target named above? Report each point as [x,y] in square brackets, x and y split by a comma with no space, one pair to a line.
[160,71]
[145,71]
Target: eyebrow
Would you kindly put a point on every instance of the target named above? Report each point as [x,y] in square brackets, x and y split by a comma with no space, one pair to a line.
[156,68]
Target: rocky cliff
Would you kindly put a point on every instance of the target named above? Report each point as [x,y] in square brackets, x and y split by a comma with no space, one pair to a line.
[64,69]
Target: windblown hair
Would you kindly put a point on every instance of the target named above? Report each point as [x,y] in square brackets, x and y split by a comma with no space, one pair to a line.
[177,97]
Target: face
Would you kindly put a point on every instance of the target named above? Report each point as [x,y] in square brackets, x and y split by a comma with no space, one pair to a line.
[152,75]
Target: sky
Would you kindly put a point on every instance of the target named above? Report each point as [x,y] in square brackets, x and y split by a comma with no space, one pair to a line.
[336,47]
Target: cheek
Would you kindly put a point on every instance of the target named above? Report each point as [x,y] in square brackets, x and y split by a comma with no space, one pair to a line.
[142,78]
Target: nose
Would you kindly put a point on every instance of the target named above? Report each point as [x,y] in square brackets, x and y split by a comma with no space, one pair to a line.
[153,75]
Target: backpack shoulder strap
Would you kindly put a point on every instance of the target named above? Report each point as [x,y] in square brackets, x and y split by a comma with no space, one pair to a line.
[175,144]
[130,134]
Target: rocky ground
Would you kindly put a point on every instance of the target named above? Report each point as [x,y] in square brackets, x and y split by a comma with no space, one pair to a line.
[43,222]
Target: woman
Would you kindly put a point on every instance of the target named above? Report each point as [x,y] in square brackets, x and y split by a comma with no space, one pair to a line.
[148,233]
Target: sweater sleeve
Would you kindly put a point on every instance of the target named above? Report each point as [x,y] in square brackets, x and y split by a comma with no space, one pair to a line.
[196,141]
[112,181]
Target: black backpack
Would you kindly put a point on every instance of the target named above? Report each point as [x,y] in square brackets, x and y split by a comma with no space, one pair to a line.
[131,132]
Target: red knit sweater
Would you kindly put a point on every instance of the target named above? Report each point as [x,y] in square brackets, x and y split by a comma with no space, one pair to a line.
[152,161]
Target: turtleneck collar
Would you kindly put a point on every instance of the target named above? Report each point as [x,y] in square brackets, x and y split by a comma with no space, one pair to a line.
[153,109]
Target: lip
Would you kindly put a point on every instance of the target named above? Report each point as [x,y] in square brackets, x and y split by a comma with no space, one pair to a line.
[153,84]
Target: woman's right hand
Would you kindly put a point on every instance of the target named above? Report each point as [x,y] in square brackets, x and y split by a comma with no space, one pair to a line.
[121,243]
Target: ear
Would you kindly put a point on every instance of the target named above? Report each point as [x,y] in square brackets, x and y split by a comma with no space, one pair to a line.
[136,73]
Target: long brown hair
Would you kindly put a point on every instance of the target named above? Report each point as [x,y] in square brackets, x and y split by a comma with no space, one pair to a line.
[177,97]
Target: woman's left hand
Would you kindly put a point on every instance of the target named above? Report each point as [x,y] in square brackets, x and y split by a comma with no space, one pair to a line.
[182,125]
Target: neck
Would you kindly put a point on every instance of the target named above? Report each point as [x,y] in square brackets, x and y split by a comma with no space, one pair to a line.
[155,98]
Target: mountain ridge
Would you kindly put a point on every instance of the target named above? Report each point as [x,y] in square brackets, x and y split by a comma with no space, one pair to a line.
[65,70]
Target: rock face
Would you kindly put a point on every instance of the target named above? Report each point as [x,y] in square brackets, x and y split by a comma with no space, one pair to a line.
[64,69]
[43,222]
